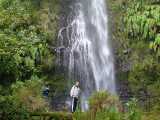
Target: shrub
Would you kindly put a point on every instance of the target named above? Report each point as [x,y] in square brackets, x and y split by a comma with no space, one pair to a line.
[29,94]
[133,112]
[25,97]
[102,106]
[11,110]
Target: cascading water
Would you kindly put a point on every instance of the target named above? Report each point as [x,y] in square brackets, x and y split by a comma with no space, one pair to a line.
[87,53]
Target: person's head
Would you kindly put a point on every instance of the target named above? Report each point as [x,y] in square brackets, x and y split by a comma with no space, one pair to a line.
[77,83]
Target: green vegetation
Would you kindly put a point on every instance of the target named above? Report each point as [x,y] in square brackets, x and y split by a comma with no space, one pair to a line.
[22,42]
[104,106]
[137,29]
[29,27]
[26,62]
[25,97]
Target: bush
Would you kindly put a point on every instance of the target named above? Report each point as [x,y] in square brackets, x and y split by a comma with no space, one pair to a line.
[102,106]
[29,94]
[134,112]
[102,100]
[25,98]
[12,110]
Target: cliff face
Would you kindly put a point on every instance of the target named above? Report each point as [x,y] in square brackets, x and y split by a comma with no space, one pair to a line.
[120,48]
[135,32]
[133,79]
[53,16]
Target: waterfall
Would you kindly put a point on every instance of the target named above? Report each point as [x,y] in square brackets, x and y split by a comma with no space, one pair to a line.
[87,54]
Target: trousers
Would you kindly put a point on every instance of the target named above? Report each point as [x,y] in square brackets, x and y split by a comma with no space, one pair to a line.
[74,104]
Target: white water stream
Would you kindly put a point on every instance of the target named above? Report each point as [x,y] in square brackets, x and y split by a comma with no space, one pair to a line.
[88,56]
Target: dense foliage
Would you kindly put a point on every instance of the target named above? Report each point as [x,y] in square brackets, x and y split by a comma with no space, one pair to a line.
[26,60]
[29,27]
[104,106]
[137,29]
[25,97]
[142,22]
[23,47]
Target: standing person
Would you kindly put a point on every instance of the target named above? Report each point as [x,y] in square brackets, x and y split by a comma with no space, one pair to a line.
[46,91]
[74,93]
